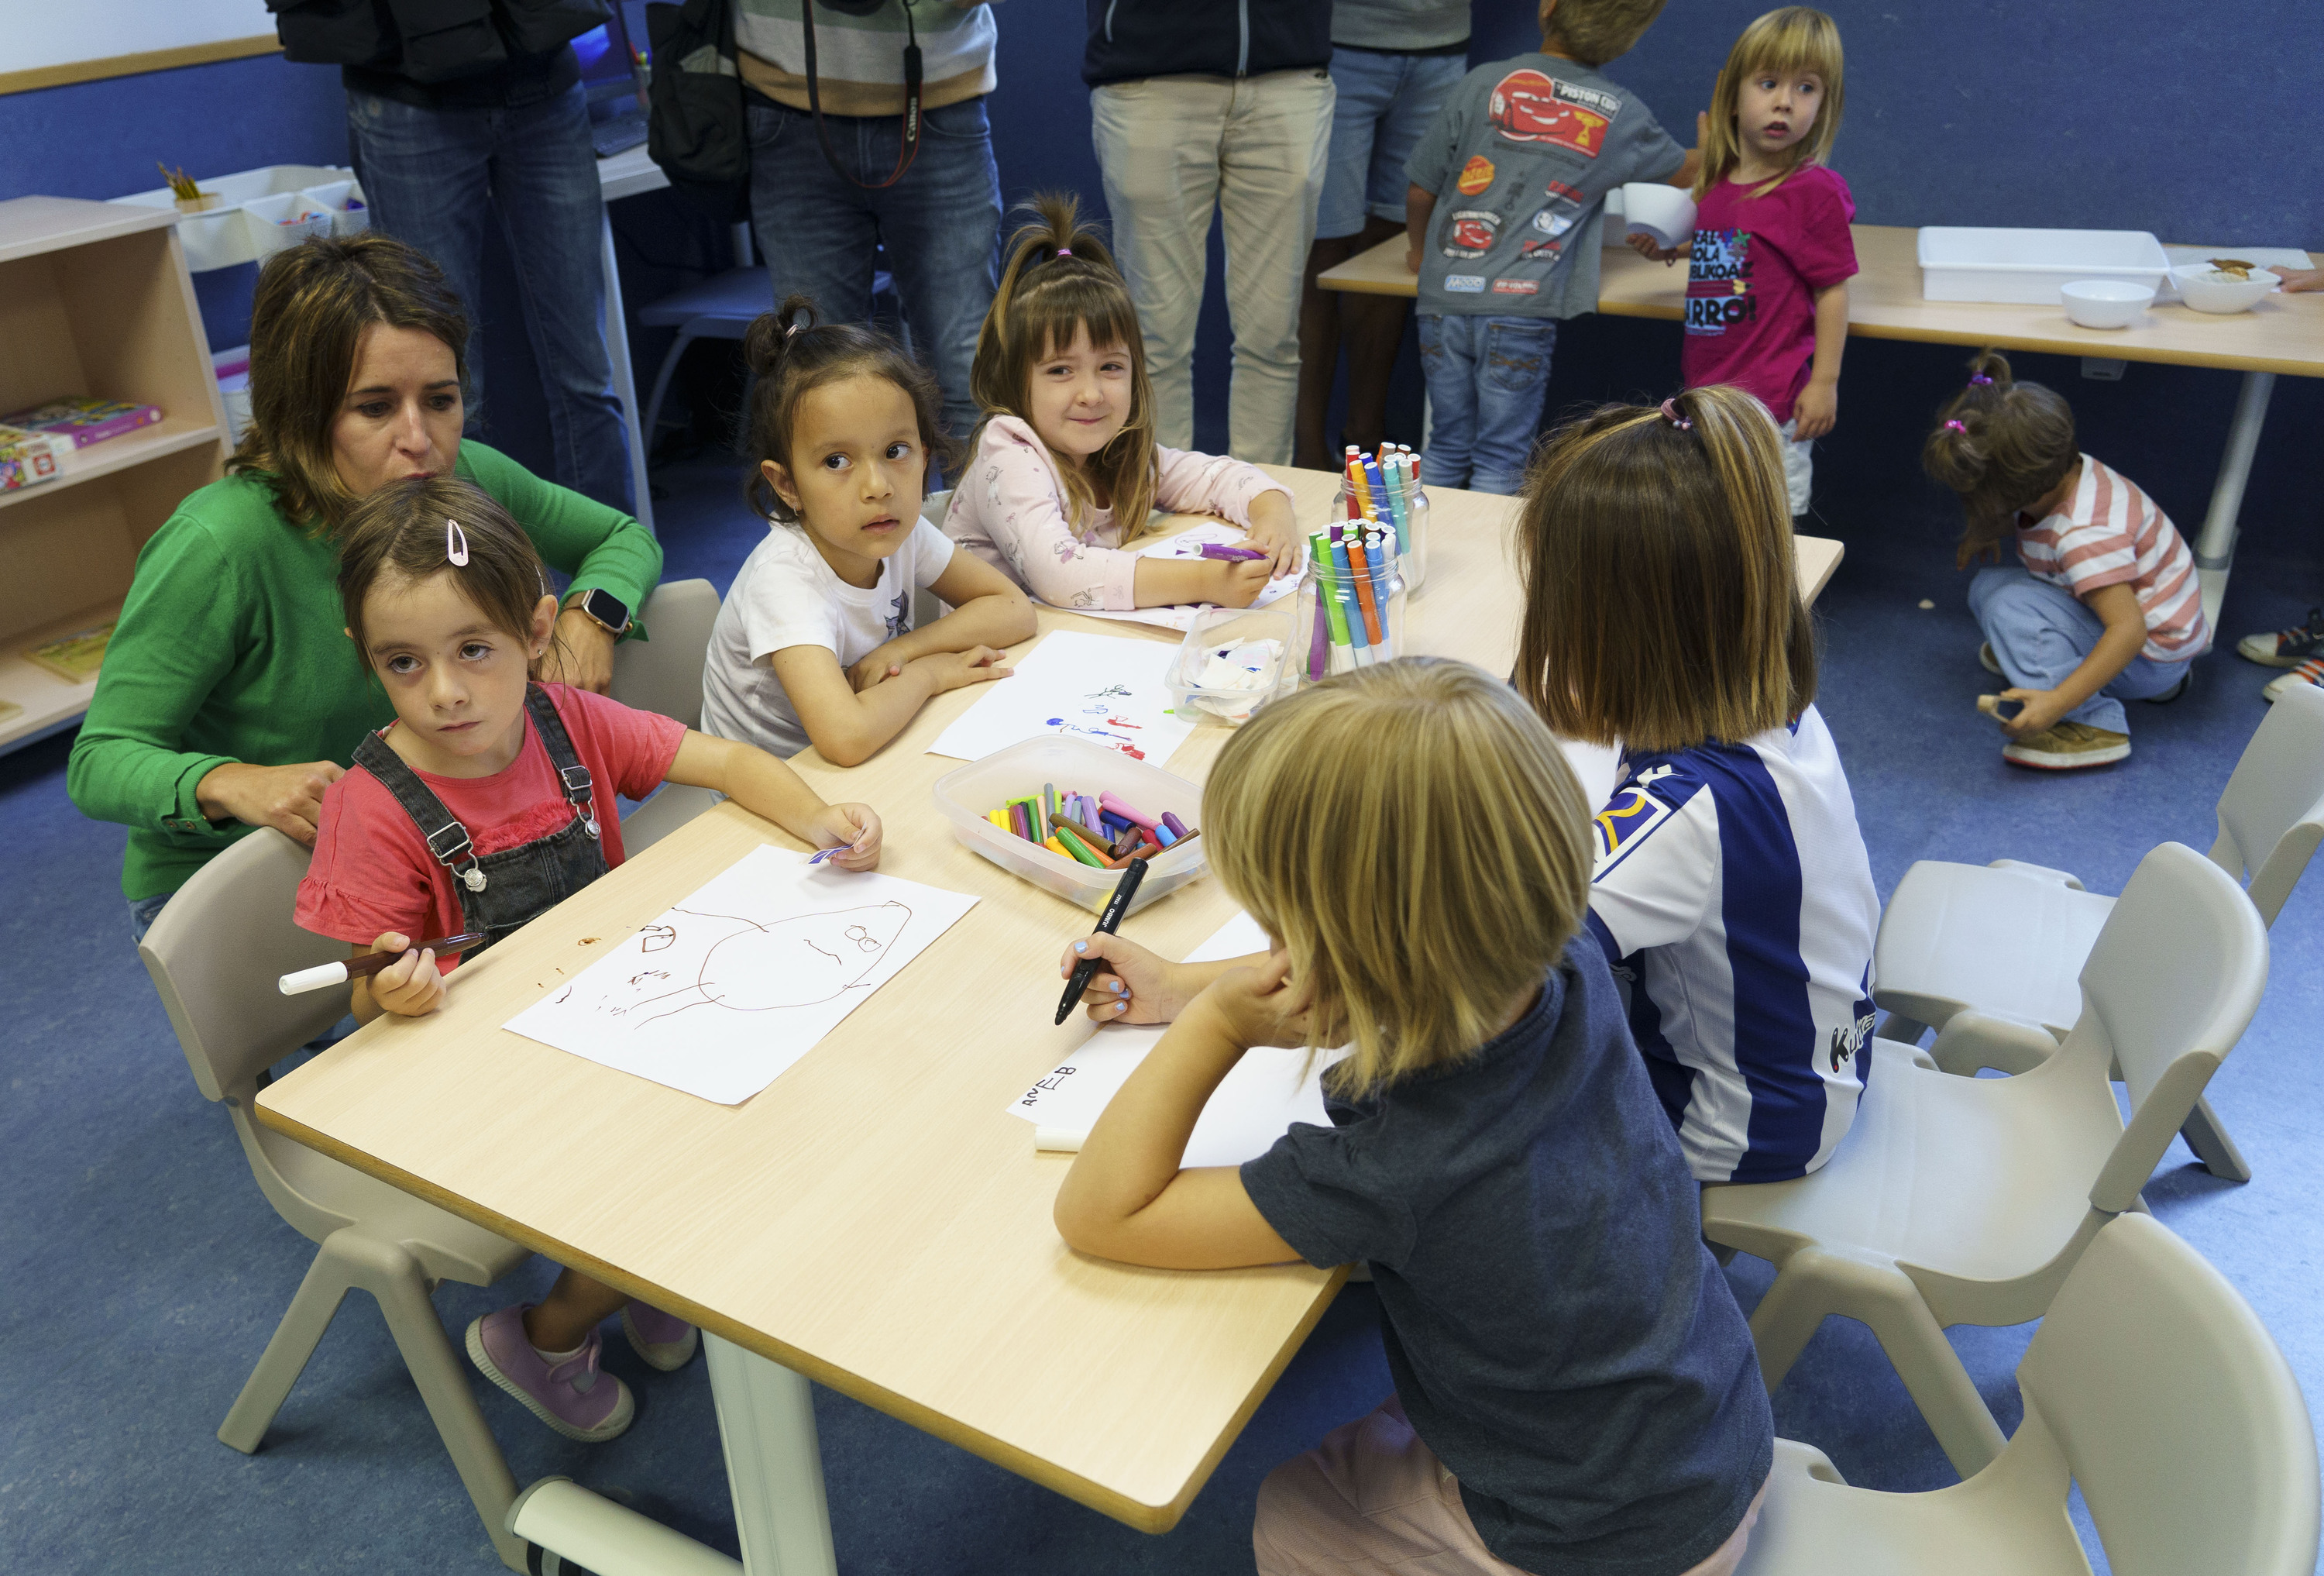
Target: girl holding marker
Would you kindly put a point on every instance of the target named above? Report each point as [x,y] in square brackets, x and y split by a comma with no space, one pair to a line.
[1066,470]
[1491,1129]
[490,799]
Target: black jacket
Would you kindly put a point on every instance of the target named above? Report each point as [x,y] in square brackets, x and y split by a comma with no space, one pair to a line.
[430,42]
[1130,39]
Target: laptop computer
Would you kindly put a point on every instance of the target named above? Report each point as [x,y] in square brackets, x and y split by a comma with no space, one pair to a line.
[616,82]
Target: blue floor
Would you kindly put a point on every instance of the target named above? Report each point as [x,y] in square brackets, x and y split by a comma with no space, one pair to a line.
[145,1272]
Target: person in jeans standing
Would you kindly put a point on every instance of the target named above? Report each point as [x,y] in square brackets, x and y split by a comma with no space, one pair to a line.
[496,121]
[820,214]
[1392,61]
[1200,105]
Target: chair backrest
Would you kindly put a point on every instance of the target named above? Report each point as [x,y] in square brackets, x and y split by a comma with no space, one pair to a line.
[2272,811]
[217,950]
[926,608]
[2174,978]
[663,672]
[2175,1411]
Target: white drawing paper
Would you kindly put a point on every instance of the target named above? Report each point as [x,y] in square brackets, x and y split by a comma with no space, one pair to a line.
[1188,544]
[1110,691]
[718,996]
[1268,1090]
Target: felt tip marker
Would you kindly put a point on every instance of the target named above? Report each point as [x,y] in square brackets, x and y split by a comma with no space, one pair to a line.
[325,975]
[1115,907]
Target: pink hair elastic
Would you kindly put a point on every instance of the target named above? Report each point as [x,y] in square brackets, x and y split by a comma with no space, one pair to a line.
[1064,252]
[1978,380]
[1670,414]
[455,544]
[1957,427]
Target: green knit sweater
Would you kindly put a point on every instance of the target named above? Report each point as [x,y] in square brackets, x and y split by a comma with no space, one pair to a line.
[232,648]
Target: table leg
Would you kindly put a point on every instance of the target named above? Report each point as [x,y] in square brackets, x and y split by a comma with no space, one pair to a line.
[625,387]
[774,1467]
[2215,548]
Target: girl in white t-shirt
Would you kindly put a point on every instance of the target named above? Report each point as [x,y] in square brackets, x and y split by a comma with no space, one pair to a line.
[1066,470]
[814,643]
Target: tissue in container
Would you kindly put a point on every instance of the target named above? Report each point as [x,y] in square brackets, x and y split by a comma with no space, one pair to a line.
[1230,662]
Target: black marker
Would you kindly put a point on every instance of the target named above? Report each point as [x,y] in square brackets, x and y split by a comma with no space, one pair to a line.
[1115,907]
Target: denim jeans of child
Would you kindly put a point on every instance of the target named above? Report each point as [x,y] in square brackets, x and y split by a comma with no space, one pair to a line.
[2041,632]
[1487,380]
[432,175]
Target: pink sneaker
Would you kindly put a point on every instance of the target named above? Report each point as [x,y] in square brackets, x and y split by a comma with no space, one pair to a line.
[572,1398]
[664,1340]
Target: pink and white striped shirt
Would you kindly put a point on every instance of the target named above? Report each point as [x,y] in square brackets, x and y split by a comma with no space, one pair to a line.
[2113,534]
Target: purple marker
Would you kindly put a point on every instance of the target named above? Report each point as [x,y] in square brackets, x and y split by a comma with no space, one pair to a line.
[1230,555]
[1177,827]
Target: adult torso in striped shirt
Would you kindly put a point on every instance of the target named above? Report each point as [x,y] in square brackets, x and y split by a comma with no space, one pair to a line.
[2114,534]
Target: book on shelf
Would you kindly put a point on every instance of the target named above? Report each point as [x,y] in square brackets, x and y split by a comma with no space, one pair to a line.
[29,457]
[74,657]
[85,420]
[9,708]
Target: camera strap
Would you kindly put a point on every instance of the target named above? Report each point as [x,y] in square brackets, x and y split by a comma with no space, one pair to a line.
[911,139]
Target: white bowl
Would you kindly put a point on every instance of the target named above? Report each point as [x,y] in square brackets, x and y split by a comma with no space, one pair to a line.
[2106,303]
[1663,212]
[2207,289]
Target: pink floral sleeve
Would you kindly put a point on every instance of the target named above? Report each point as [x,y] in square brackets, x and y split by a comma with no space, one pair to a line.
[1009,511]
[1210,484]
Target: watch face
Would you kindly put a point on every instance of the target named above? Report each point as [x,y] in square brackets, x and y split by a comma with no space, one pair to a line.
[607,608]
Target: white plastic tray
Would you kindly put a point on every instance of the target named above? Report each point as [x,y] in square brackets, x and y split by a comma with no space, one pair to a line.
[2027,266]
[230,233]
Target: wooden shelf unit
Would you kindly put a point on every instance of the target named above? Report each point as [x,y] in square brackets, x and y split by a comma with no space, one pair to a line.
[94,299]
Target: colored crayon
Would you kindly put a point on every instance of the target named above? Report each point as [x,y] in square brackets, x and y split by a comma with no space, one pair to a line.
[1071,842]
[1127,812]
[1165,836]
[1177,827]
[1054,846]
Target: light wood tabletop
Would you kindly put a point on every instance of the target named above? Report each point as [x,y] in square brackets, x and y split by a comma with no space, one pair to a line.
[876,1220]
[2283,334]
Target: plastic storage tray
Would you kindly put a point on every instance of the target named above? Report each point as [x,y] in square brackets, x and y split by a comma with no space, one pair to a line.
[2027,266]
[232,233]
[1214,627]
[966,794]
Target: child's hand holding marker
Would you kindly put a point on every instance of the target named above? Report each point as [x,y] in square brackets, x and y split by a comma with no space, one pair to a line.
[411,987]
[1274,531]
[852,835]
[1133,985]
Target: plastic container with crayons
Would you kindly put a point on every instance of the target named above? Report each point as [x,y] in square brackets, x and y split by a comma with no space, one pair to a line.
[966,794]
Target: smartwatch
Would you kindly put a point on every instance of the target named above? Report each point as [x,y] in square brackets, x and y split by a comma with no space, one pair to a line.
[606,609]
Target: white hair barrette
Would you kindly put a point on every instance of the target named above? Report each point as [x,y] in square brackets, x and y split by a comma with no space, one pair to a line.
[455,544]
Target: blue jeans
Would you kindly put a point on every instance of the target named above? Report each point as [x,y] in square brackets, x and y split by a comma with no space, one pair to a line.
[2041,632]
[1488,378]
[940,224]
[429,175]
[1382,106]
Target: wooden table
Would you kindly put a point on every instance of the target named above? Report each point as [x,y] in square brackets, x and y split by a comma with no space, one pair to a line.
[876,1220]
[2283,334]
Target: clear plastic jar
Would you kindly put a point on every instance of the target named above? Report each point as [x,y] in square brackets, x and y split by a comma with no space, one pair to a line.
[1348,610]
[1408,519]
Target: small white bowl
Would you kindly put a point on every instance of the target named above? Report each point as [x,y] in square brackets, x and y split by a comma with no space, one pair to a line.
[2106,303]
[1663,212]
[2207,289]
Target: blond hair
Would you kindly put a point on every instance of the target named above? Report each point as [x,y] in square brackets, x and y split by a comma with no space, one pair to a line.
[1594,31]
[1797,37]
[2000,444]
[1061,282]
[1413,837]
[1662,604]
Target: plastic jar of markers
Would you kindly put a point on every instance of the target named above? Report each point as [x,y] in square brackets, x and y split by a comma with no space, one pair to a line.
[1348,610]
[1404,515]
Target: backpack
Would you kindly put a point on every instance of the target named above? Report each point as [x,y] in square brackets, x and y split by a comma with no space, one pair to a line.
[695,129]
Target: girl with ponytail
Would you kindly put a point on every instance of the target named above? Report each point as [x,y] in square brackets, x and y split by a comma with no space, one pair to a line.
[2106,607]
[1065,469]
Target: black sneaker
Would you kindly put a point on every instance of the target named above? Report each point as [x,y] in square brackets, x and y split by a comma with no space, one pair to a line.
[2287,648]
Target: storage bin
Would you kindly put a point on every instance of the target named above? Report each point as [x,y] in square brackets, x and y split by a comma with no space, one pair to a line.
[2025,267]
[964,795]
[224,235]
[280,222]
[1212,628]
[335,198]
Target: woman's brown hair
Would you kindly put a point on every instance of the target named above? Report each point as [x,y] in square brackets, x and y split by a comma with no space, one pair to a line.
[307,321]
[1662,604]
[1796,38]
[1061,283]
[405,529]
[2001,445]
[791,352]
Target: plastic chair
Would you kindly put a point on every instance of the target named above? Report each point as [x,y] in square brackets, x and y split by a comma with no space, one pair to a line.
[724,306]
[1966,1201]
[2010,937]
[214,954]
[664,674]
[2153,1385]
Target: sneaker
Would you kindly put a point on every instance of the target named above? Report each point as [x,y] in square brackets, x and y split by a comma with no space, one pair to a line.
[2308,672]
[570,1395]
[1987,660]
[2066,747]
[663,1340]
[2287,648]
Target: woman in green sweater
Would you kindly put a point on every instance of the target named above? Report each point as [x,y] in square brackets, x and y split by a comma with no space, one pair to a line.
[231,696]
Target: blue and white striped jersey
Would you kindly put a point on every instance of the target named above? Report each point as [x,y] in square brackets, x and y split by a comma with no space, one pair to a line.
[1733,897]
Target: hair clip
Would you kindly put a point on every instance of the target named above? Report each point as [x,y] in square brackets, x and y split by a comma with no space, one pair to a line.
[1670,414]
[455,544]
[1064,252]
[1958,427]
[1978,380]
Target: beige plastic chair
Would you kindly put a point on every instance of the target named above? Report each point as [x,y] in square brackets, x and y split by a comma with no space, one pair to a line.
[663,673]
[214,955]
[1966,1201]
[926,608]
[2010,937]
[2153,1385]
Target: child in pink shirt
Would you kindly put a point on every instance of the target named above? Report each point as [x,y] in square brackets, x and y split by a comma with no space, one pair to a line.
[1066,471]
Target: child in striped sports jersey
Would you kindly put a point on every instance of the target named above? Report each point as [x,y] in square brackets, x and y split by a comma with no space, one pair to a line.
[2107,607]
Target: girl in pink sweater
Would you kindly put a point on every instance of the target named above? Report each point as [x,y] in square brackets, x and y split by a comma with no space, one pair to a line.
[1066,471]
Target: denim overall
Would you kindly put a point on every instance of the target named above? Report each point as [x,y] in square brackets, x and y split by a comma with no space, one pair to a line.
[501,891]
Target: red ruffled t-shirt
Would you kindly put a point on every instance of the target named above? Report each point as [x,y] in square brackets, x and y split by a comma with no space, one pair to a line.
[1751,280]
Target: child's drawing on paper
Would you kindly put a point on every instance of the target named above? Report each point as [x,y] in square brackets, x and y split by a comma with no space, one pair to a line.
[1114,692]
[745,966]
[1103,736]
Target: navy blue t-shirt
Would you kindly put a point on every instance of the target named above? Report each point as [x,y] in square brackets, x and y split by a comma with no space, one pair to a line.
[1558,1333]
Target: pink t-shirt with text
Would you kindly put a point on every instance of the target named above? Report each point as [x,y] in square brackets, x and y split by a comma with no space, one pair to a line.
[1756,266]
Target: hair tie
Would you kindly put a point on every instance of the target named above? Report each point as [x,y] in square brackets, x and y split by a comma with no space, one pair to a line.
[1978,380]
[1064,252]
[455,544]
[792,329]
[1957,427]
[1670,414]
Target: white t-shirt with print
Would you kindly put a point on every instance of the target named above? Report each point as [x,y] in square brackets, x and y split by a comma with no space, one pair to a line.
[785,595]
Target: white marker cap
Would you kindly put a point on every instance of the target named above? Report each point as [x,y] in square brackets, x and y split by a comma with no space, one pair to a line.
[1063,1140]
[314,979]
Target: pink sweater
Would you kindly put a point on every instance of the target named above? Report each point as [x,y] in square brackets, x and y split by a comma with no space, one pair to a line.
[1009,510]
